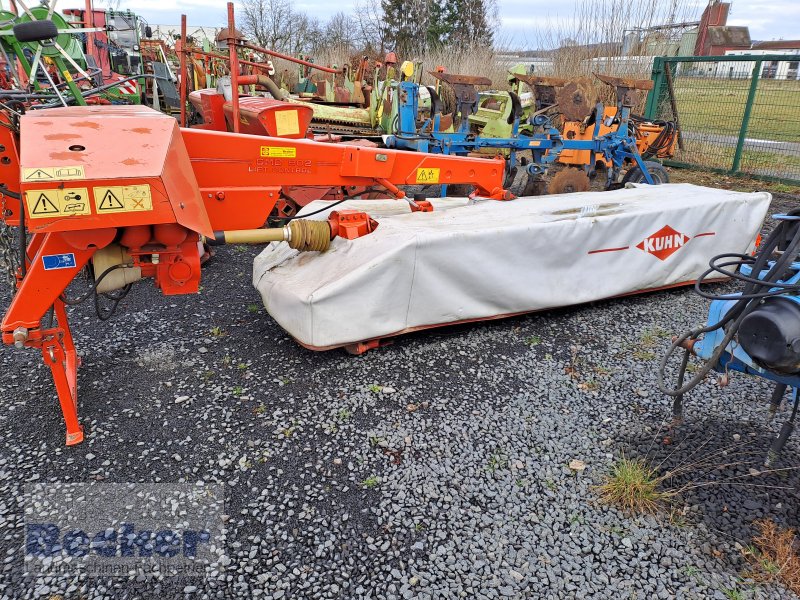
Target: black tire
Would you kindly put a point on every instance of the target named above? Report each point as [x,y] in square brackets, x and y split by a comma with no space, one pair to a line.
[35,31]
[457,190]
[534,186]
[509,177]
[656,170]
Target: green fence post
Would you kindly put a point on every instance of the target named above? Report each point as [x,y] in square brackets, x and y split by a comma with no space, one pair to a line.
[657,75]
[748,111]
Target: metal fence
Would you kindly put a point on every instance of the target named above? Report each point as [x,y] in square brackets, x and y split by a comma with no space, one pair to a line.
[737,114]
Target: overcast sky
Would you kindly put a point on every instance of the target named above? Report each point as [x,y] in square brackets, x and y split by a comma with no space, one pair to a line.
[521,20]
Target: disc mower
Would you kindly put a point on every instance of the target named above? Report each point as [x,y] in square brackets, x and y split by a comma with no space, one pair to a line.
[755,331]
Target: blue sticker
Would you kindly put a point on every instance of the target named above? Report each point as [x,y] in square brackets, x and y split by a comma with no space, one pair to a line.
[58,261]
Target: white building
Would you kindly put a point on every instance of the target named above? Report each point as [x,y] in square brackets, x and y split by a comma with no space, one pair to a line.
[774,69]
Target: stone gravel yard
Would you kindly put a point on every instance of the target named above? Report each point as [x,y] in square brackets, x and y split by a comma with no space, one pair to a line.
[436,467]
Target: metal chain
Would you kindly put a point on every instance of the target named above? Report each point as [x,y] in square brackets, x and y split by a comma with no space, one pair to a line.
[9,240]
[9,248]
[9,261]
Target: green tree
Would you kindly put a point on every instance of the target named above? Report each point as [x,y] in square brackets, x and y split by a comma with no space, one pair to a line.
[416,25]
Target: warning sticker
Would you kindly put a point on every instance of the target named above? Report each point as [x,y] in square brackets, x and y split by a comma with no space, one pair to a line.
[278,151]
[122,198]
[53,173]
[427,175]
[48,204]
[286,123]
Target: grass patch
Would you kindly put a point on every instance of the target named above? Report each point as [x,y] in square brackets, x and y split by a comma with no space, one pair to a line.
[774,558]
[651,336]
[370,482]
[533,340]
[497,462]
[732,593]
[642,354]
[712,153]
[253,308]
[634,486]
[717,106]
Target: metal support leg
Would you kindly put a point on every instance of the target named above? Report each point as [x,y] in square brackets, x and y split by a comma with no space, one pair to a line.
[58,351]
[677,403]
[777,398]
[783,436]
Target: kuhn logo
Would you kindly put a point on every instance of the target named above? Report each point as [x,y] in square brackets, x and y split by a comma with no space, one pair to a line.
[663,243]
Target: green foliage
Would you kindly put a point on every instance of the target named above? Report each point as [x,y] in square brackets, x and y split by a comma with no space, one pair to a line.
[371,482]
[633,485]
[416,26]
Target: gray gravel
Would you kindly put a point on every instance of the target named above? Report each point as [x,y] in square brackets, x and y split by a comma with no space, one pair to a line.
[436,467]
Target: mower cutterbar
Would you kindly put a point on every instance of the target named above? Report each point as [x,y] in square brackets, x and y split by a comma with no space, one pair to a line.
[129,191]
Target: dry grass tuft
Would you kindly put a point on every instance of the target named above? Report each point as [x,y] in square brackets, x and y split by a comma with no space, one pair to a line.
[634,486]
[775,557]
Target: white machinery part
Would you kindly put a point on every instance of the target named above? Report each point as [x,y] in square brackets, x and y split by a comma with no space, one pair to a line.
[480,260]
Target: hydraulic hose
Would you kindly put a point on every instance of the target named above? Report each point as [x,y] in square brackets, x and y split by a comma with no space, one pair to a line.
[266,82]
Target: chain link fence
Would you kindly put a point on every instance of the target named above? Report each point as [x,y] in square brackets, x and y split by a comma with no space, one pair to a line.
[737,114]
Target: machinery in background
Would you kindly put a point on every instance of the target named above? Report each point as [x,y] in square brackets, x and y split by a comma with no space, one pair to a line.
[577,103]
[115,48]
[98,55]
[534,133]
[755,331]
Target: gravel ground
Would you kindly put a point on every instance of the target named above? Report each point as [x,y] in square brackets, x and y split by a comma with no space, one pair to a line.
[436,467]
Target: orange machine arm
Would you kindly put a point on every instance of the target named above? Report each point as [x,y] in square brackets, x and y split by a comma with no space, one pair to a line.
[125,189]
[233,169]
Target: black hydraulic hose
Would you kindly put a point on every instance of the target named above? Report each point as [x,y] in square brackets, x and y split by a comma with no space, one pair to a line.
[96,90]
[93,288]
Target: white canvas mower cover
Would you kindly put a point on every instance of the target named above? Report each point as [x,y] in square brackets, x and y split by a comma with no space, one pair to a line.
[471,261]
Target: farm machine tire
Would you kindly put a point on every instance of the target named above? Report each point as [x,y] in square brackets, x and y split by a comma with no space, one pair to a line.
[657,172]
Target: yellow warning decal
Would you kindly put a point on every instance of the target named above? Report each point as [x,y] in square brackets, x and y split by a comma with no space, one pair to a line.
[428,175]
[67,75]
[534,143]
[122,198]
[49,204]
[286,123]
[53,173]
[278,151]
